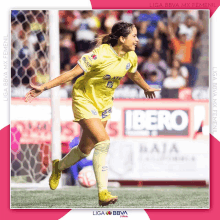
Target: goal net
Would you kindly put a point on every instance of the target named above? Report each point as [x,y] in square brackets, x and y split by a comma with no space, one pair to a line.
[29,49]
[30,162]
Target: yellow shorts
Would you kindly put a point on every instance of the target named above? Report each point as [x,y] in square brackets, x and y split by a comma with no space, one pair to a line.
[83,109]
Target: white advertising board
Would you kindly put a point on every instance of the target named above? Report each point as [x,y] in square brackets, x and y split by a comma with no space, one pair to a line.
[160,159]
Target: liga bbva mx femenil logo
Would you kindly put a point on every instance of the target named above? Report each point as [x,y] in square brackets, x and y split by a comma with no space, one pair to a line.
[121,213]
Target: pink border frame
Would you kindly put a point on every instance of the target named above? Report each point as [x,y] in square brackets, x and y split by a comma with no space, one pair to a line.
[212,213]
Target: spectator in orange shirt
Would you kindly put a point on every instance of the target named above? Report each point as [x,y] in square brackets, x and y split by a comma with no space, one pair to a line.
[182,48]
[183,51]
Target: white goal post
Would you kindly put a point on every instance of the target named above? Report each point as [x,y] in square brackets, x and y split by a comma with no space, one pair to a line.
[55,96]
[55,72]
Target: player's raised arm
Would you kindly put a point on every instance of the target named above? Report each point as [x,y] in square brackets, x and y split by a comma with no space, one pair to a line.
[138,79]
[64,78]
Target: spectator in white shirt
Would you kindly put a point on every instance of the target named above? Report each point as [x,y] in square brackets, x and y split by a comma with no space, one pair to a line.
[174,81]
[183,71]
[85,28]
[188,27]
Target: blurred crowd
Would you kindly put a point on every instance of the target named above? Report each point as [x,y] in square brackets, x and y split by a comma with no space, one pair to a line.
[29,47]
[168,51]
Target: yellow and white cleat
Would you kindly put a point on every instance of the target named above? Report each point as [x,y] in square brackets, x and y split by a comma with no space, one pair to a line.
[55,176]
[105,198]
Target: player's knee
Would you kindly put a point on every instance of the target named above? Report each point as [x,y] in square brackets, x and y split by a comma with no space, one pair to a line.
[103,136]
[102,139]
[86,149]
[102,146]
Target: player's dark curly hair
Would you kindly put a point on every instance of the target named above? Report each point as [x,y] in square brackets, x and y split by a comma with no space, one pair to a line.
[120,28]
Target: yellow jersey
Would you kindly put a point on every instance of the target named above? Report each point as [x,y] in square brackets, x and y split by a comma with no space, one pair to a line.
[103,70]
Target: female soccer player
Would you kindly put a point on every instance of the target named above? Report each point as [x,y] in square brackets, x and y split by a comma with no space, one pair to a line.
[93,100]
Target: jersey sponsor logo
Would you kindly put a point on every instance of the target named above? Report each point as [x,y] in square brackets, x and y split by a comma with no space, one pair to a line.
[94,57]
[106,112]
[110,84]
[117,78]
[87,64]
[107,77]
[128,66]
[94,112]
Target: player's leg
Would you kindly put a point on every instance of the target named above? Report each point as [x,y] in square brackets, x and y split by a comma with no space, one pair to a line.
[96,130]
[80,151]
[77,153]
[87,143]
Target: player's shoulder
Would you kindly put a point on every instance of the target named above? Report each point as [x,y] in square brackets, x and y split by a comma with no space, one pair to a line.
[102,48]
[132,56]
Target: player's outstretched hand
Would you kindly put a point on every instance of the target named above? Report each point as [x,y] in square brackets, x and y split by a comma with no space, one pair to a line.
[33,93]
[150,93]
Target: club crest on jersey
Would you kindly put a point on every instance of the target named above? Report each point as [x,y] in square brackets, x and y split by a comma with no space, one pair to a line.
[107,77]
[128,66]
[94,57]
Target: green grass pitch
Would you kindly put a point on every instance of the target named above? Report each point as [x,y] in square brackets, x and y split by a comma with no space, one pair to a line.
[128,197]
